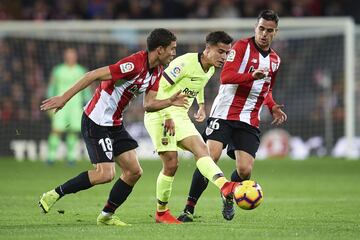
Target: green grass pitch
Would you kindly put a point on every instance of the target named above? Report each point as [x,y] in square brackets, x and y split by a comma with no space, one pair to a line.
[311,199]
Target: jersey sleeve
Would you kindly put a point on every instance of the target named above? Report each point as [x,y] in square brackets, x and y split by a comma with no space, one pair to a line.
[269,100]
[230,74]
[125,69]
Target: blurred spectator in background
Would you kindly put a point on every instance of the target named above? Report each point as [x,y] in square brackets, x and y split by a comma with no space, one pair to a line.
[67,121]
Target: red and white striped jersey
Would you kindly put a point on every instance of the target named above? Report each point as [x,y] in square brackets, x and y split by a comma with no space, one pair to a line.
[240,96]
[131,76]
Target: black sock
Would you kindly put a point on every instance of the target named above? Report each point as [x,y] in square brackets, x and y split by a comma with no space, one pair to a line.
[198,185]
[118,194]
[236,178]
[78,183]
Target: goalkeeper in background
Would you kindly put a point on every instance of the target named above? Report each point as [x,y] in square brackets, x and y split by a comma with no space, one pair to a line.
[67,121]
[171,128]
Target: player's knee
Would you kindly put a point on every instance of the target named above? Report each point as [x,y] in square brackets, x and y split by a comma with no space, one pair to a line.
[170,167]
[106,176]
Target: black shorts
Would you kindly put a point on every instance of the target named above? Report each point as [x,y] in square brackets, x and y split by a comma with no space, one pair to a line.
[234,135]
[103,143]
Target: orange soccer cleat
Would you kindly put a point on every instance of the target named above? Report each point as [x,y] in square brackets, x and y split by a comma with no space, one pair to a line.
[228,189]
[166,217]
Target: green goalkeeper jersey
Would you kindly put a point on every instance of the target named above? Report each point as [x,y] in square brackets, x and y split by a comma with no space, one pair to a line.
[184,73]
[62,78]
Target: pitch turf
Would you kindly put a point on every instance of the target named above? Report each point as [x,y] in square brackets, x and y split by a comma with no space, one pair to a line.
[312,199]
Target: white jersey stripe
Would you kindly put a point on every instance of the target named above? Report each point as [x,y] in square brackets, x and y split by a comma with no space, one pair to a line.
[245,59]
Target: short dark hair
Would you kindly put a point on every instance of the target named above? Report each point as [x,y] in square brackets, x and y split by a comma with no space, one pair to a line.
[216,37]
[159,37]
[269,15]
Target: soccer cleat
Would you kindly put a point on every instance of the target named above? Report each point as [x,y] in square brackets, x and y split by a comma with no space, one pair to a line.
[228,211]
[110,221]
[166,217]
[186,216]
[228,189]
[48,199]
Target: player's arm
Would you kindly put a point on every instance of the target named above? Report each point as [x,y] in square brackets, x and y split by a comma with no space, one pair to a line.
[230,74]
[279,116]
[151,104]
[58,102]
[200,115]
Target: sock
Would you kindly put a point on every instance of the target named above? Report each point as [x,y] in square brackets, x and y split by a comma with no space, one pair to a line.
[71,144]
[163,191]
[53,143]
[198,185]
[211,171]
[236,178]
[76,184]
[118,194]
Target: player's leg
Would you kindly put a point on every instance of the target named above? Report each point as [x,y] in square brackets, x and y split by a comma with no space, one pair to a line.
[206,165]
[72,137]
[100,156]
[166,146]
[199,183]
[124,149]
[164,187]
[131,173]
[217,134]
[58,127]
[53,144]
[246,141]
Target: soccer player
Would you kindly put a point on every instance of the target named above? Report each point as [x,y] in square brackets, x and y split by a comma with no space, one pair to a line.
[63,76]
[106,139]
[171,128]
[247,80]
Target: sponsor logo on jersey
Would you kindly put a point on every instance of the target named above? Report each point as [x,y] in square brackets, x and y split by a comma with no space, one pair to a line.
[126,67]
[191,93]
[175,72]
[231,56]
[254,60]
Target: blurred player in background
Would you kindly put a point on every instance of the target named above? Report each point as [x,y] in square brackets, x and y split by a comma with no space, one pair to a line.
[171,128]
[106,139]
[247,80]
[63,76]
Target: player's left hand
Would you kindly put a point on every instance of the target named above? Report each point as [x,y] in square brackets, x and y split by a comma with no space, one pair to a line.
[169,127]
[201,114]
[56,103]
[278,114]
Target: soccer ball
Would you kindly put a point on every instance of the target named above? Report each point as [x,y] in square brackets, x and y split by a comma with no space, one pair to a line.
[248,195]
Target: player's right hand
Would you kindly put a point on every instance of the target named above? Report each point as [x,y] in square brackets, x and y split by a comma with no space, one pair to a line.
[56,103]
[169,127]
[259,74]
[179,99]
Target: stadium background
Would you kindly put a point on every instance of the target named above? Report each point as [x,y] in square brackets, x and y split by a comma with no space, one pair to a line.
[314,105]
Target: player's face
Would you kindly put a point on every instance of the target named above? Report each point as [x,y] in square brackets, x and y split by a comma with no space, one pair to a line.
[265,31]
[217,54]
[167,54]
[70,56]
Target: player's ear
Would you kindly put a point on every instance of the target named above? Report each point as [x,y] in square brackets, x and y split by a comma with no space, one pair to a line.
[160,50]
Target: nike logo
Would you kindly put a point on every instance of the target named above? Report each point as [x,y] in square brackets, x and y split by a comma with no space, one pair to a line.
[194,79]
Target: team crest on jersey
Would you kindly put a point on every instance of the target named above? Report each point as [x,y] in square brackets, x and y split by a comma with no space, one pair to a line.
[109,155]
[208,131]
[274,66]
[175,72]
[126,67]
[231,56]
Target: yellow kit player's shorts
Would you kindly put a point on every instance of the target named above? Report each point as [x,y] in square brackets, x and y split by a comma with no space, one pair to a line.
[162,141]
